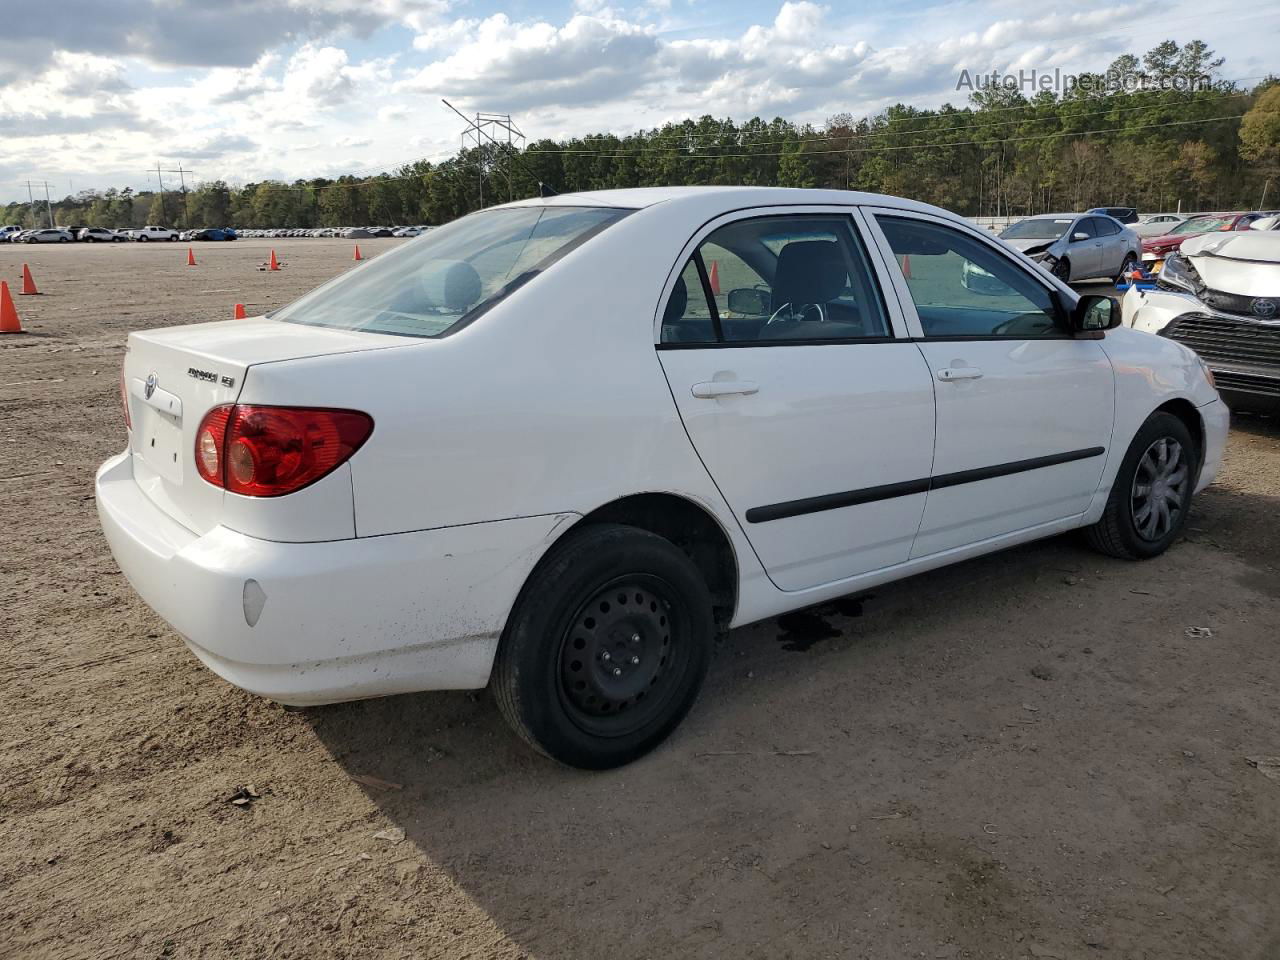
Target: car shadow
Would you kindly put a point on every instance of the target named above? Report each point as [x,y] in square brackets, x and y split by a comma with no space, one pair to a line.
[809,802]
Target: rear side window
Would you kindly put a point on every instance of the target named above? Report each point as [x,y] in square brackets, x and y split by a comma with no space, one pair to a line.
[444,279]
[963,288]
[769,280]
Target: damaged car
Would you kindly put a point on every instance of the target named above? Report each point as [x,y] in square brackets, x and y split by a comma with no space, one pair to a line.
[1073,246]
[1220,296]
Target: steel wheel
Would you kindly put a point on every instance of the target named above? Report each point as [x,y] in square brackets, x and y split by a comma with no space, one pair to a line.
[619,654]
[1159,491]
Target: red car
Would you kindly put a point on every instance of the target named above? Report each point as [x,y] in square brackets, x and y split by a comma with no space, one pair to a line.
[1156,249]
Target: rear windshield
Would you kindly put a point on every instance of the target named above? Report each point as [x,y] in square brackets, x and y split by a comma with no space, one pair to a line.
[1042,229]
[447,277]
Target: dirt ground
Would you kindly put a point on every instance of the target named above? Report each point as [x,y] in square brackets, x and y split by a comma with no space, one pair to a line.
[1027,755]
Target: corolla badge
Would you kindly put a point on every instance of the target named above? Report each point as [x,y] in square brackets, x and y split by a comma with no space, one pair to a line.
[1264,308]
[152,382]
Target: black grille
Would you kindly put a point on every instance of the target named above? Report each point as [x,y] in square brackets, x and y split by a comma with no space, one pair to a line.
[1248,383]
[1233,302]
[1227,341]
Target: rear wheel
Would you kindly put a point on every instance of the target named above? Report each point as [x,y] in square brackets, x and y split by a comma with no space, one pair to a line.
[144,238]
[1152,492]
[607,647]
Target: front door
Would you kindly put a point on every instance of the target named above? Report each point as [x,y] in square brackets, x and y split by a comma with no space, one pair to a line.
[1024,410]
[814,420]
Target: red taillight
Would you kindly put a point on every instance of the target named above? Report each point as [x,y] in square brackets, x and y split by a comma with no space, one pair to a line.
[124,400]
[270,451]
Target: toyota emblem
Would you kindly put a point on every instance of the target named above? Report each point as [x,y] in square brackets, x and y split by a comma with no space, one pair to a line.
[153,380]
[1264,308]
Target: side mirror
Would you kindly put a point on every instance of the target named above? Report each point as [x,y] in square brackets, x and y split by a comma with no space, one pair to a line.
[749,302]
[1078,236]
[1092,316]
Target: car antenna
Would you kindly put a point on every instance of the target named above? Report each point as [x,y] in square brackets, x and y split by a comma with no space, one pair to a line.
[544,189]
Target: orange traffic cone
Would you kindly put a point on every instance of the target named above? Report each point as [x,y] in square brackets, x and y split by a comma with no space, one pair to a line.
[357,256]
[28,285]
[239,313]
[715,277]
[275,264]
[191,257]
[906,265]
[9,322]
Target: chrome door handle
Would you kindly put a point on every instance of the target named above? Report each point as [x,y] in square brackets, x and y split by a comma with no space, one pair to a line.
[947,374]
[724,388]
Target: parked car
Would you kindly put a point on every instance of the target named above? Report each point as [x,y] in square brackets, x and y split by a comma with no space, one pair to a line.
[7,233]
[20,236]
[1126,215]
[1220,296]
[148,233]
[1075,246]
[97,235]
[356,233]
[1156,249]
[47,235]
[1266,223]
[676,472]
[213,233]
[1157,224]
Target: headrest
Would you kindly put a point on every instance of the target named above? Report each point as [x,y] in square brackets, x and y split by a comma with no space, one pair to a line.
[451,284]
[809,271]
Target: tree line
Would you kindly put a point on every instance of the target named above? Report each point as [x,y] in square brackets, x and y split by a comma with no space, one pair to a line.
[1003,153]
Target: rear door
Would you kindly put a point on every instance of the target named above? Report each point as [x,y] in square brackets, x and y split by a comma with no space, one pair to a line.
[808,405]
[1024,410]
[1112,245]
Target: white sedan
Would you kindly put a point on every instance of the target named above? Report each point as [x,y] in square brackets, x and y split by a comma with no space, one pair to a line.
[557,446]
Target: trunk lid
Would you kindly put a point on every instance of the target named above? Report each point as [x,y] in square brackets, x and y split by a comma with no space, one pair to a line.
[172,378]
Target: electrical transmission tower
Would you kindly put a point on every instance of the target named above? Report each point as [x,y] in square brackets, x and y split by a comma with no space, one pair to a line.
[497,129]
[182,180]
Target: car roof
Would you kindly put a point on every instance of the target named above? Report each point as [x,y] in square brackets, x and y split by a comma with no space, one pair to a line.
[730,197]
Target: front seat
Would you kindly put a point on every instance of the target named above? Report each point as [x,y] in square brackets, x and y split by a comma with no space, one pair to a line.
[809,272]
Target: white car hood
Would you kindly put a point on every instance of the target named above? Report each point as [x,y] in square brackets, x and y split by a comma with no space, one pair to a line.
[1245,263]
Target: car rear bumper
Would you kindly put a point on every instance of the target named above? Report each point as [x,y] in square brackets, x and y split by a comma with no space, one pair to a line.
[309,623]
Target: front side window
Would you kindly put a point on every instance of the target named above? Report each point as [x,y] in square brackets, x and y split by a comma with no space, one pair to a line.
[442,280]
[1104,228]
[769,279]
[963,288]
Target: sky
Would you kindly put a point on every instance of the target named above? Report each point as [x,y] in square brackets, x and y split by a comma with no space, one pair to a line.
[94,93]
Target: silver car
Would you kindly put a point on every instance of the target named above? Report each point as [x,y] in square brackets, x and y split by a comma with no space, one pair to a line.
[1076,246]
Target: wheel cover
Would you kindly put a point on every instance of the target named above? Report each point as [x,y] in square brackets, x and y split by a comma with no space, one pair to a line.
[622,655]
[1159,493]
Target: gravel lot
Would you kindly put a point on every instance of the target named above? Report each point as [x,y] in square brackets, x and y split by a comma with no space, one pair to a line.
[1028,755]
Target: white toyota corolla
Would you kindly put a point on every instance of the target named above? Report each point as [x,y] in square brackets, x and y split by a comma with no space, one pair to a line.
[556,446]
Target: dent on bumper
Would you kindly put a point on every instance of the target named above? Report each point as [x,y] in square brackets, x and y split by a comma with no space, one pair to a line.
[341,619]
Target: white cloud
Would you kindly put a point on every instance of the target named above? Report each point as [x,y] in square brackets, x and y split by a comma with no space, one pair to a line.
[247,89]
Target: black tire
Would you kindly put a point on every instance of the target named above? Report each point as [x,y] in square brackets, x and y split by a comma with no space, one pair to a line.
[144,239]
[607,647]
[1124,530]
[1130,264]
[1062,270]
